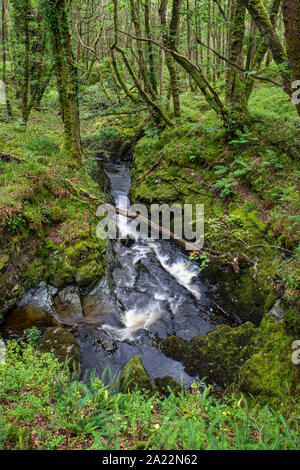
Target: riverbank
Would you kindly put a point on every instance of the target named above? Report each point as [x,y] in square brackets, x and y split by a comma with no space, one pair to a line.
[47,222]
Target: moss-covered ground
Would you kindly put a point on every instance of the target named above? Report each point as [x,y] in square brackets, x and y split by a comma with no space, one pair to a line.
[40,197]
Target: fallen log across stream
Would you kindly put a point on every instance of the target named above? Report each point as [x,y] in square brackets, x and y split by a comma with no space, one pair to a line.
[158,228]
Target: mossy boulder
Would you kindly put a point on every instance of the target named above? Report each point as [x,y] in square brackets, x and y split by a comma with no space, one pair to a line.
[174,347]
[166,385]
[217,355]
[269,374]
[240,293]
[68,306]
[63,345]
[134,376]
[220,353]
[158,191]
[81,263]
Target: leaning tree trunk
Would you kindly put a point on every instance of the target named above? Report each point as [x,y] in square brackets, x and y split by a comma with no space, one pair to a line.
[209,93]
[118,74]
[260,51]
[262,19]
[141,61]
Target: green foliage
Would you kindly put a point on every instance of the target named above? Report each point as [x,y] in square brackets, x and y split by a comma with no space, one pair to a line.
[13,224]
[225,186]
[202,258]
[271,160]
[42,146]
[243,137]
[151,131]
[33,336]
[289,272]
[42,407]
[237,169]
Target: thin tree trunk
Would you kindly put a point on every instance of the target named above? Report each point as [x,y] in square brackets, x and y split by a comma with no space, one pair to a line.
[174,87]
[25,85]
[261,51]
[291,16]
[142,67]
[119,77]
[66,74]
[262,19]
[8,106]
[234,87]
[150,48]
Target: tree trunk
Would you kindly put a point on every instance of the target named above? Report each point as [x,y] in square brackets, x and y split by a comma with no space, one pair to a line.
[260,52]
[3,39]
[291,17]
[150,48]
[66,74]
[26,72]
[234,87]
[262,19]
[174,87]
[142,67]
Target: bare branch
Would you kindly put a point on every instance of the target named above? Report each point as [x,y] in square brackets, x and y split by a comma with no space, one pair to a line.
[265,79]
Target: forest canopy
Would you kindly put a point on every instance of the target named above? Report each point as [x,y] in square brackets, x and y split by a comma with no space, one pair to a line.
[149,52]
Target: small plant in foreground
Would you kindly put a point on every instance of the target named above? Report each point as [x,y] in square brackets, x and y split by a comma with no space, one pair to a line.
[33,336]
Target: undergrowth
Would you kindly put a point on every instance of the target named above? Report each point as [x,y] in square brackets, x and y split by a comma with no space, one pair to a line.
[42,407]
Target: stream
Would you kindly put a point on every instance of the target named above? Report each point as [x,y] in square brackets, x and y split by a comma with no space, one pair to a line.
[157,292]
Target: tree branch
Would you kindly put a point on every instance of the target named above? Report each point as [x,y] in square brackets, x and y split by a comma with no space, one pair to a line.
[265,79]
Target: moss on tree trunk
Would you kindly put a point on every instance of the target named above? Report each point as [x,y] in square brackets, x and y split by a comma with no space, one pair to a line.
[291,16]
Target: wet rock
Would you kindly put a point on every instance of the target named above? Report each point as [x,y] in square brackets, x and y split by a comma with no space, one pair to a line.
[63,344]
[92,305]
[134,376]
[96,309]
[109,345]
[41,298]
[82,264]
[128,242]
[23,318]
[67,304]
[106,343]
[166,385]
